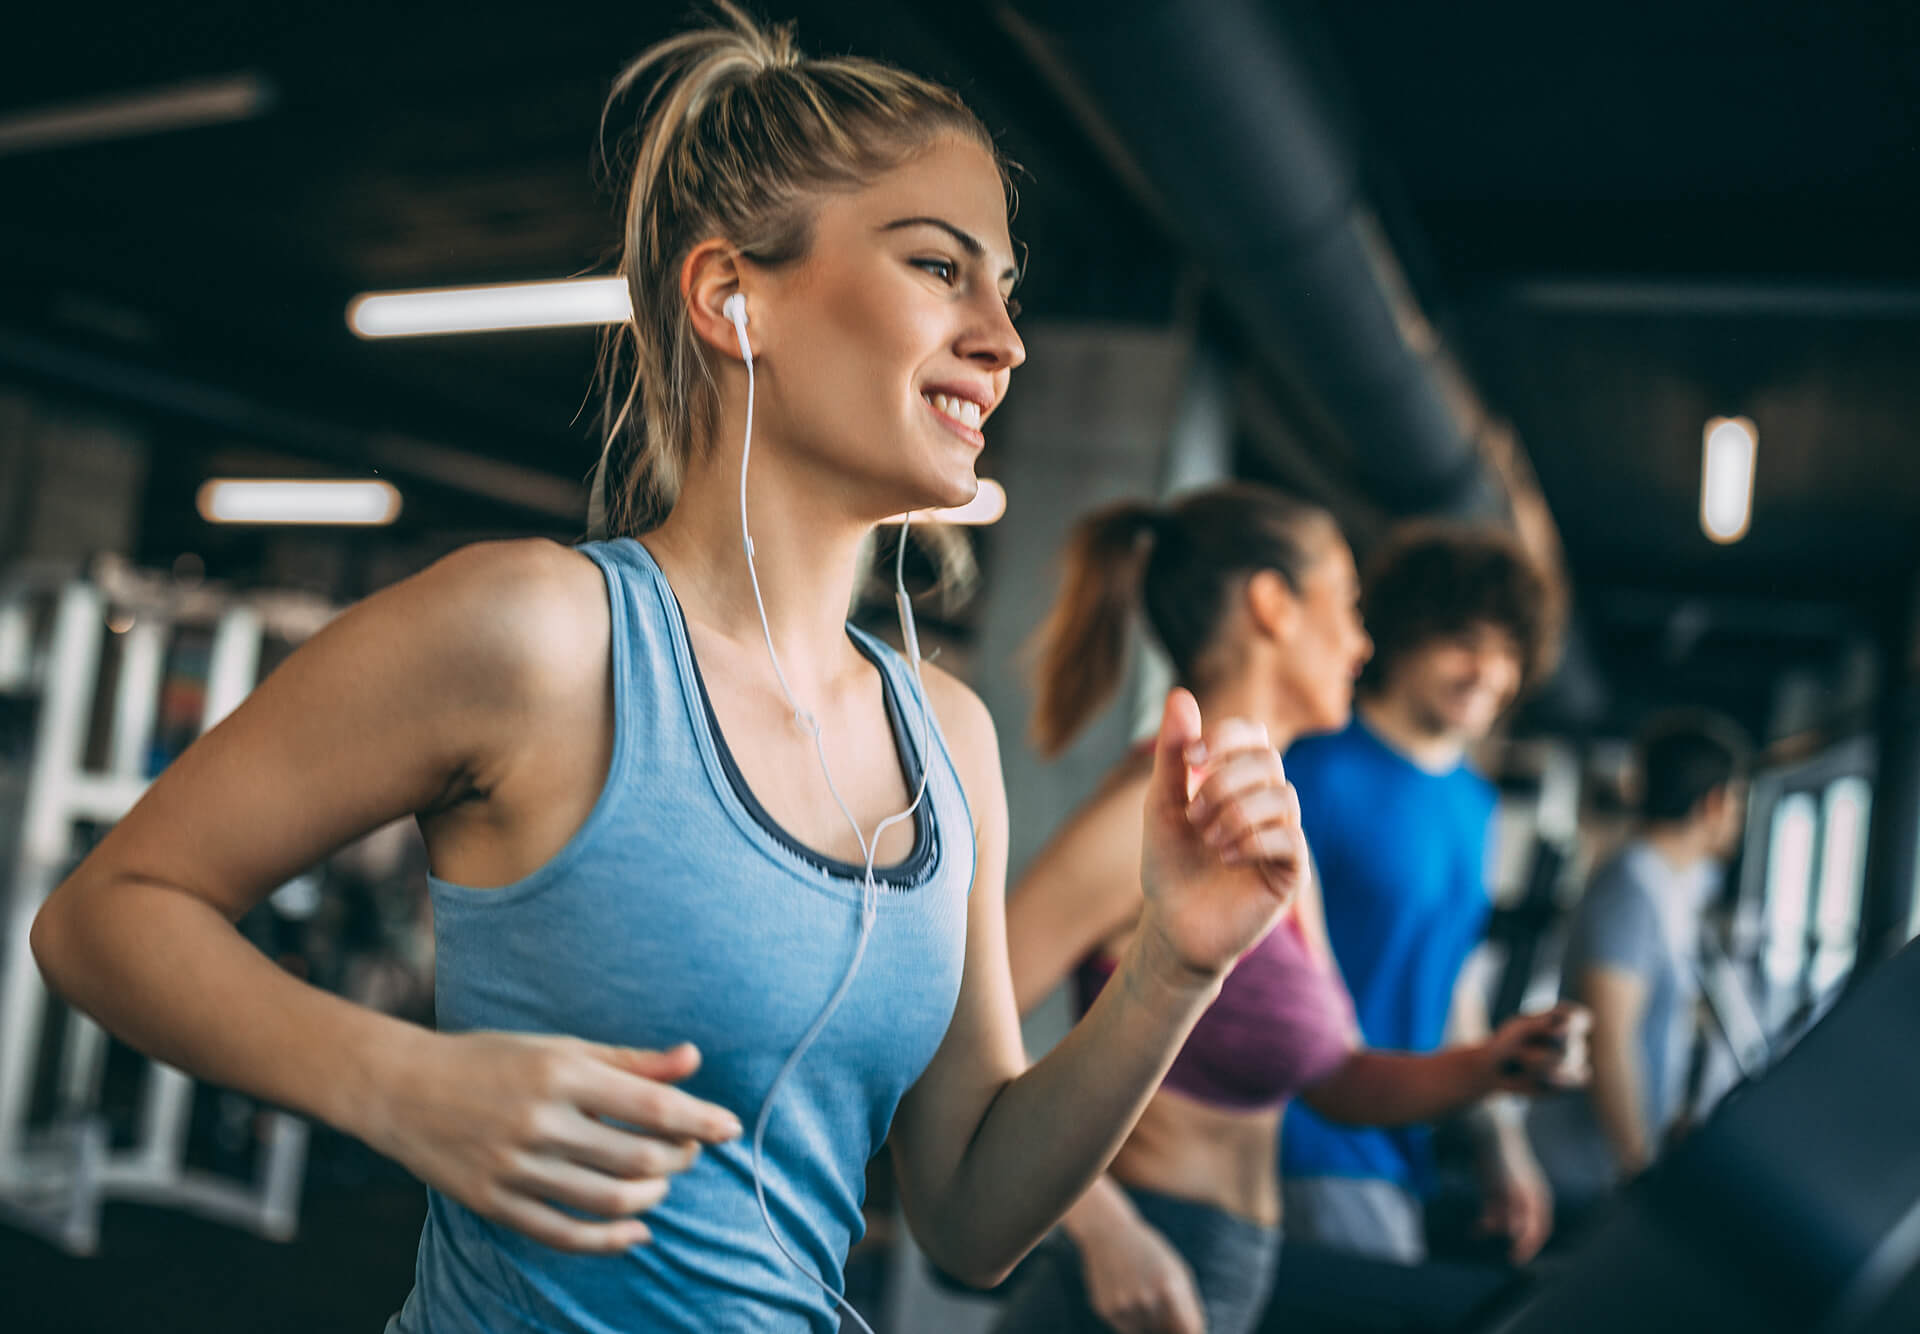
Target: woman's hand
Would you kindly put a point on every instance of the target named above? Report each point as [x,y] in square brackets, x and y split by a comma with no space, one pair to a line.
[1539,1053]
[1224,855]
[1137,1282]
[519,1128]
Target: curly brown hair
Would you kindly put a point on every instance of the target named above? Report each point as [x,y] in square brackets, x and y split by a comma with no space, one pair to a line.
[1435,580]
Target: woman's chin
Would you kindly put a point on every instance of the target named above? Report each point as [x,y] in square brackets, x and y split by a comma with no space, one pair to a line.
[949,494]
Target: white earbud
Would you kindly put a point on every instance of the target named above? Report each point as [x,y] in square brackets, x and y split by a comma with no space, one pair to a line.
[735,309]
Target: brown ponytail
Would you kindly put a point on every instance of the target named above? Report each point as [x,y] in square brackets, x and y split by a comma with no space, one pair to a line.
[1182,564]
[1081,650]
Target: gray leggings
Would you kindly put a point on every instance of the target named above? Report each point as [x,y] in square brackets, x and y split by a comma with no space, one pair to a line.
[1232,1262]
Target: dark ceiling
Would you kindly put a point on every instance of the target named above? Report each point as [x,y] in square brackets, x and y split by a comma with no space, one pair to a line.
[410,146]
[1634,218]
[1641,217]
[1626,219]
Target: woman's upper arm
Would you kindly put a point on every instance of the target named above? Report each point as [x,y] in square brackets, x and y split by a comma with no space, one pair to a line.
[1082,887]
[398,705]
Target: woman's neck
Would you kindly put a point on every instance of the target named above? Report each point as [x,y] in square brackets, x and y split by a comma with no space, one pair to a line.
[806,556]
[1255,696]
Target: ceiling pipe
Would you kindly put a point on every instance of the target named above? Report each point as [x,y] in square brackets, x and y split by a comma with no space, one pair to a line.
[1221,119]
[1209,110]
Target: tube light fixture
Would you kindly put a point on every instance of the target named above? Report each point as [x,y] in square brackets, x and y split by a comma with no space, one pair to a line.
[1726,478]
[288,500]
[178,106]
[445,310]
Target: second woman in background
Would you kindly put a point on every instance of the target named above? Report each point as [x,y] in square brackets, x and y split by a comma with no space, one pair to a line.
[1255,598]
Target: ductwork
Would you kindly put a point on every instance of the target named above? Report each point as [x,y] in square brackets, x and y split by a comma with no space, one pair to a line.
[1208,111]
[1212,106]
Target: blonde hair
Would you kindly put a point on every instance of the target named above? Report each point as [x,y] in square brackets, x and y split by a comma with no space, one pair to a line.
[739,135]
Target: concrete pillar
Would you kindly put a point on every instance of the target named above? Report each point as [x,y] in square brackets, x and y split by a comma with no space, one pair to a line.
[1089,421]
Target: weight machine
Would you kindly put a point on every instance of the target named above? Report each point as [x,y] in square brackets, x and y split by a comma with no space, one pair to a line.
[56,1176]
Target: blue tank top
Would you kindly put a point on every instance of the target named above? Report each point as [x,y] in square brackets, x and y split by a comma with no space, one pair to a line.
[680,912]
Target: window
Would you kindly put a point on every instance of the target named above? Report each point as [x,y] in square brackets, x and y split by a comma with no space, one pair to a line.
[1913,924]
[1843,857]
[1789,885]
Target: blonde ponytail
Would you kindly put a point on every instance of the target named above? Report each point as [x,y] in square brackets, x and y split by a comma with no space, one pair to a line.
[739,135]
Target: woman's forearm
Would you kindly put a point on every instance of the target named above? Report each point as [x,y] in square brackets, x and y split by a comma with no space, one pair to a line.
[1104,1207]
[1051,1132]
[1382,1088]
[169,974]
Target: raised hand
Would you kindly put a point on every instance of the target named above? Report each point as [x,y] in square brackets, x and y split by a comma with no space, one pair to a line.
[1223,855]
[515,1126]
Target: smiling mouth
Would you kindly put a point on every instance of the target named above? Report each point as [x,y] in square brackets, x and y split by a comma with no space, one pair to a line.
[960,411]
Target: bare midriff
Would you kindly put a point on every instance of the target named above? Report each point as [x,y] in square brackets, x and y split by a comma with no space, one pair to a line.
[1212,1156]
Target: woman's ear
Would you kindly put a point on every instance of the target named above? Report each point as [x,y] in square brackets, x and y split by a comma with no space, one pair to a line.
[1273,604]
[712,273]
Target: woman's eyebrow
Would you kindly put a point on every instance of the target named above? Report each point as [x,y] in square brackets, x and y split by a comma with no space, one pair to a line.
[966,240]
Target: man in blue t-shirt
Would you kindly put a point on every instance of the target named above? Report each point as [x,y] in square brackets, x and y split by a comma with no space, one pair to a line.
[1398,825]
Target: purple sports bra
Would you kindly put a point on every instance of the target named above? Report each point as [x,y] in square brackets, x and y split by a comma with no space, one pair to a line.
[1280,1024]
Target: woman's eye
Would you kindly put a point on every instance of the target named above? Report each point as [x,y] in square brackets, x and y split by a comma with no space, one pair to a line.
[939,268]
[1013,307]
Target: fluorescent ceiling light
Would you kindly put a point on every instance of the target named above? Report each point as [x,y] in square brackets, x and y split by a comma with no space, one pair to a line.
[987,505]
[444,310]
[177,107]
[264,500]
[1726,478]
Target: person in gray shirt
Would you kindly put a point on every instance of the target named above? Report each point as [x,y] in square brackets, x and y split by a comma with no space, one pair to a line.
[1630,958]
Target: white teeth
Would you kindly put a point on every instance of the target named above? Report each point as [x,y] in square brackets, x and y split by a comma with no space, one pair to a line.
[961,410]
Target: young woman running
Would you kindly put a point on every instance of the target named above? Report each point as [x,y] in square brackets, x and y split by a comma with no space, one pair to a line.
[654,773]
[1255,599]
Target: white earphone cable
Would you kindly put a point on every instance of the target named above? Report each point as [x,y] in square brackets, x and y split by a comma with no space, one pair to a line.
[869,897]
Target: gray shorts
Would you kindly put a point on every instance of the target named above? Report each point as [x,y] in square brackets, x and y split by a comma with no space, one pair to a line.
[1232,1261]
[1376,1219]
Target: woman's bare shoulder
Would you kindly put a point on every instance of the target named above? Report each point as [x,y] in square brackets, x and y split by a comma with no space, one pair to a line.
[529,613]
[523,583]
